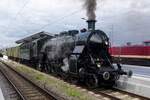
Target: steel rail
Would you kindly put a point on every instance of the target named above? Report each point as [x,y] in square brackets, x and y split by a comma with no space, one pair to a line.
[13,85]
[49,93]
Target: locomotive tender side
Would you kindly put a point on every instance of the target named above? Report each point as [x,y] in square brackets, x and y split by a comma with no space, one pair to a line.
[29,48]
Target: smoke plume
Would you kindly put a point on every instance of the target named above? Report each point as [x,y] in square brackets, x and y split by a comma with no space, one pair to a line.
[90,6]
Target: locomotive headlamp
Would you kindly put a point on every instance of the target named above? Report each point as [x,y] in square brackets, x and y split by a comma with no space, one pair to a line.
[106,42]
[98,65]
[106,75]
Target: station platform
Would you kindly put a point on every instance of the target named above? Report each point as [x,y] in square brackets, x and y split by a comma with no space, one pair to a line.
[139,83]
[136,84]
[143,71]
[138,70]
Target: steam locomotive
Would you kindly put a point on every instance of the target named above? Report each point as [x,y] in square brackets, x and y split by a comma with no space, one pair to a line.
[76,55]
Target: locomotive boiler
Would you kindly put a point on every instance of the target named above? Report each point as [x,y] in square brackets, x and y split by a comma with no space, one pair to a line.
[82,56]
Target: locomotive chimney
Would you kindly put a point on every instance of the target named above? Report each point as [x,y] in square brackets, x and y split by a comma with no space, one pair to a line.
[91,25]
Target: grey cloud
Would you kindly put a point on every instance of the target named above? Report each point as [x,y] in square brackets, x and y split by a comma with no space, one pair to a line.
[130,18]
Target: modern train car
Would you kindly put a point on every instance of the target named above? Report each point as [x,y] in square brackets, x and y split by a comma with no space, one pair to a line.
[132,54]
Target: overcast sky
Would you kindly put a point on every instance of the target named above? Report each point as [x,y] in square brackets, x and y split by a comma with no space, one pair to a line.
[122,20]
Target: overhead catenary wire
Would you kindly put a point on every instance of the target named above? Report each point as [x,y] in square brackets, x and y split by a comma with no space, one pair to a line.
[22,8]
[59,20]
[18,13]
[56,21]
[15,17]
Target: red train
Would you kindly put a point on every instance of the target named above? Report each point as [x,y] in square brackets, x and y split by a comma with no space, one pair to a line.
[137,54]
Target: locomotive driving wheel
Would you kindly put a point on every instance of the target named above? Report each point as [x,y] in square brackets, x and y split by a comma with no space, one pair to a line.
[92,81]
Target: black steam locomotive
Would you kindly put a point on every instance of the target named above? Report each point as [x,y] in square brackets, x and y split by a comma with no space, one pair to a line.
[82,55]
[79,56]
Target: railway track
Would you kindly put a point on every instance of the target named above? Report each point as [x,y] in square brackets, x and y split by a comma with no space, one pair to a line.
[9,92]
[116,94]
[24,87]
[102,93]
[109,93]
